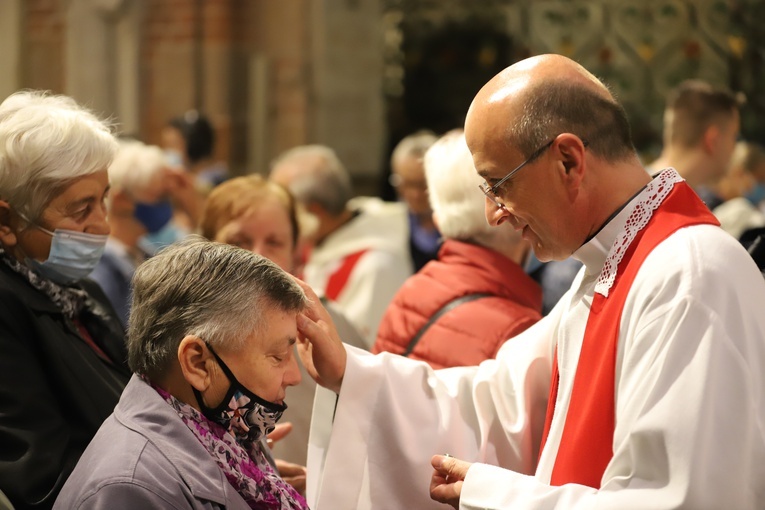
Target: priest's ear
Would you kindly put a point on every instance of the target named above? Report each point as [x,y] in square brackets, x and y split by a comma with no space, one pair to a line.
[572,151]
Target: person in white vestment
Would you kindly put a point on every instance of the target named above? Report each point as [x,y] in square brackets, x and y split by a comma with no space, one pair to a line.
[358,255]
[653,364]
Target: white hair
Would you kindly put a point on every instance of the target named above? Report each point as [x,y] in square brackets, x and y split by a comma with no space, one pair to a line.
[457,203]
[46,141]
[135,165]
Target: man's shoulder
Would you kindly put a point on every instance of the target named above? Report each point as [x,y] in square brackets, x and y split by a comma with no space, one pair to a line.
[378,225]
[702,243]
[700,259]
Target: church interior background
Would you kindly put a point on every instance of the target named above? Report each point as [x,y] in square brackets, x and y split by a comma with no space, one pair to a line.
[358,75]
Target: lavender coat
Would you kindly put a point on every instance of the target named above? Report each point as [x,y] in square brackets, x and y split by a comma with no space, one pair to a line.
[144,456]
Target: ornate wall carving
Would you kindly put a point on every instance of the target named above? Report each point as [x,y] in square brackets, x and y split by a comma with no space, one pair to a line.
[642,48]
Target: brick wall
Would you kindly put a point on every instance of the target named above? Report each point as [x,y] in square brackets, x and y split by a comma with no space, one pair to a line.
[318,73]
[43,45]
[279,31]
[168,81]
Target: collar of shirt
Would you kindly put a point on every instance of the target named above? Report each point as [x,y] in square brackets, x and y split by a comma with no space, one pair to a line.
[595,251]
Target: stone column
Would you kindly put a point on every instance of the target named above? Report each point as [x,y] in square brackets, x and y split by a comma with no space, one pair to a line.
[127,97]
[103,43]
[10,42]
[347,63]
[90,54]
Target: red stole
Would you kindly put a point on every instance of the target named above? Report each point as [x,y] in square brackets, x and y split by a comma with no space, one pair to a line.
[586,446]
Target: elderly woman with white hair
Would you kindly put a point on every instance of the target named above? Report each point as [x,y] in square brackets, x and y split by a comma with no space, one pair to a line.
[211,336]
[140,212]
[62,353]
[460,309]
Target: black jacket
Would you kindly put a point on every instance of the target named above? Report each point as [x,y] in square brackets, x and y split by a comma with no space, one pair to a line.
[55,391]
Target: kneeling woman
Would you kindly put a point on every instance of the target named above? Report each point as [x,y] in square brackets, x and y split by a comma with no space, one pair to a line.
[211,336]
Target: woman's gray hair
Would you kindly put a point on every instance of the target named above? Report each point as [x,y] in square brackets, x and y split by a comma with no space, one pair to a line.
[323,179]
[457,203]
[46,141]
[414,145]
[214,291]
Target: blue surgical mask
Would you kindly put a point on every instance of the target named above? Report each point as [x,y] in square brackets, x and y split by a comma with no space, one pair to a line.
[73,255]
[153,216]
[757,194]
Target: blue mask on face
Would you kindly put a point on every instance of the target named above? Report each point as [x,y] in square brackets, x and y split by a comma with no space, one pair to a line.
[153,216]
[756,194]
[73,255]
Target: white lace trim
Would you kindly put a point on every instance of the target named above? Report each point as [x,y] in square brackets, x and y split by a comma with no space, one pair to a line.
[651,198]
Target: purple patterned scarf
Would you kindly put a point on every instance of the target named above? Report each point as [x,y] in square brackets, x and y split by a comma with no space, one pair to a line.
[246,468]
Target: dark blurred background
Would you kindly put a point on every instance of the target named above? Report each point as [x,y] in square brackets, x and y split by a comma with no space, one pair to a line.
[359,75]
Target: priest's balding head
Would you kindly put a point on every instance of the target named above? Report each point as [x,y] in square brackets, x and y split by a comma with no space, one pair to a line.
[553,119]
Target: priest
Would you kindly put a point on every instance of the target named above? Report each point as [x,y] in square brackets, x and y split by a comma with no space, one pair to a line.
[644,387]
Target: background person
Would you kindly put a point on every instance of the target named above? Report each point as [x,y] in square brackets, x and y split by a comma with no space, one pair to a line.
[62,353]
[360,256]
[189,141]
[701,125]
[736,213]
[137,207]
[408,179]
[211,337]
[642,388]
[475,260]
[755,163]
[261,216]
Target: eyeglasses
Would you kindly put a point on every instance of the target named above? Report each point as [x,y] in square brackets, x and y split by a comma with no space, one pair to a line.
[491,191]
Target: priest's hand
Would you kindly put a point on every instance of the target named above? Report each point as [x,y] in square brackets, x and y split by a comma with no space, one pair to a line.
[446,482]
[319,345]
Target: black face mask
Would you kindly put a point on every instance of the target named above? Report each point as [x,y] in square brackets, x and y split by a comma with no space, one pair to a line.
[247,416]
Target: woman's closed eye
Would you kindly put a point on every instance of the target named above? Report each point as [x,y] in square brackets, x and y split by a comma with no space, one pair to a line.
[281,357]
[275,242]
